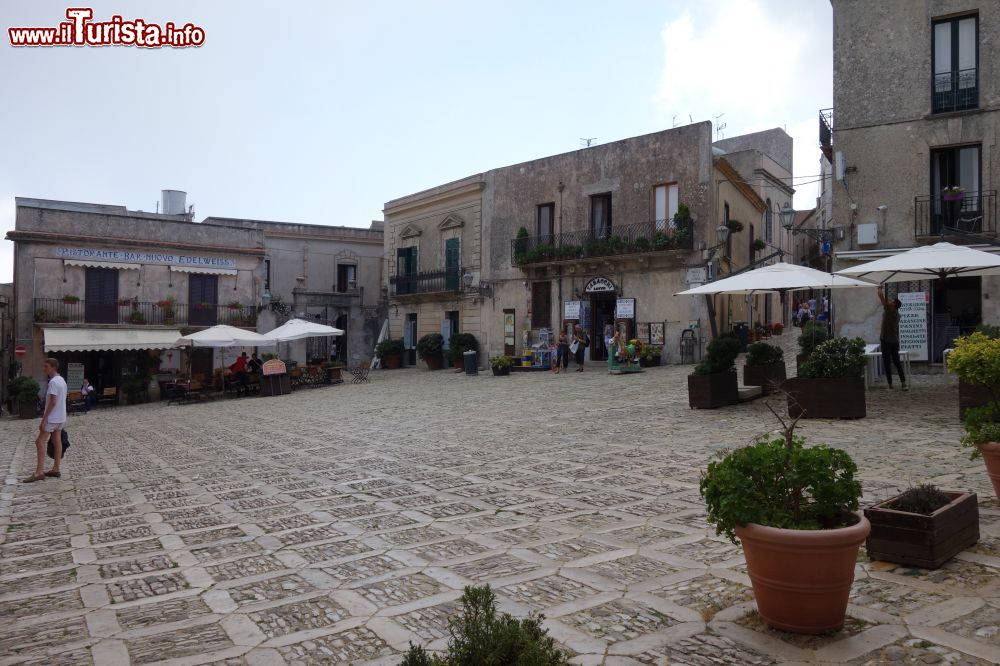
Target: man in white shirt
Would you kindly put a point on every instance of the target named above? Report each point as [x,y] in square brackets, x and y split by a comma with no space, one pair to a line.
[53,421]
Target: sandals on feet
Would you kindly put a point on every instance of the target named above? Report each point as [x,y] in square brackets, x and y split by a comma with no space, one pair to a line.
[53,474]
[33,478]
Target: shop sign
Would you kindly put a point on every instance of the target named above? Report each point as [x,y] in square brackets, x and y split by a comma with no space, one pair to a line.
[600,285]
[74,375]
[571,310]
[625,308]
[913,324]
[273,367]
[129,256]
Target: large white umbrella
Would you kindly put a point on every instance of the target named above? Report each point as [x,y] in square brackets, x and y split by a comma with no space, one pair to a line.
[225,336]
[777,277]
[382,336]
[928,262]
[296,329]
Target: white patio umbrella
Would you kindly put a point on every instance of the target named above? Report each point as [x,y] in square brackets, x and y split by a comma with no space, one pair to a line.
[928,262]
[225,336]
[296,329]
[775,278]
[382,336]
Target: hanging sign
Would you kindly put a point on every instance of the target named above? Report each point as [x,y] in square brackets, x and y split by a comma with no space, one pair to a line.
[600,285]
[913,324]
[571,309]
[625,308]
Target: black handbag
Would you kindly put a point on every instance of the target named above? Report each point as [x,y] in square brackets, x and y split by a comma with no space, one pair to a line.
[50,450]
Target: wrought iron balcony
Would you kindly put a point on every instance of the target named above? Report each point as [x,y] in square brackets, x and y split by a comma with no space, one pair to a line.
[652,236]
[826,133]
[955,91]
[126,312]
[970,213]
[427,282]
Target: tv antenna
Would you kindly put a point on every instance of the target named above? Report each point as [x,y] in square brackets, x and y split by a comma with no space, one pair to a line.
[585,143]
[719,127]
[673,123]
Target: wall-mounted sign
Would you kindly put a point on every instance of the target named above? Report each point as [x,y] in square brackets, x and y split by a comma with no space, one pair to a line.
[625,308]
[600,285]
[696,276]
[273,367]
[20,350]
[128,256]
[571,309]
[913,324]
[74,376]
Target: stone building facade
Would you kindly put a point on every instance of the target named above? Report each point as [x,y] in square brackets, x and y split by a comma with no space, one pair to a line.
[913,114]
[7,368]
[592,237]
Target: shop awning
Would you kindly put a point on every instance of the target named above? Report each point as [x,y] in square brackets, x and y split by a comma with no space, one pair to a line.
[208,270]
[102,264]
[108,339]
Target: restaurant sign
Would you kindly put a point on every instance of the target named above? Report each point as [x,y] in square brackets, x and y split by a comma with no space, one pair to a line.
[913,324]
[139,257]
[273,367]
[600,285]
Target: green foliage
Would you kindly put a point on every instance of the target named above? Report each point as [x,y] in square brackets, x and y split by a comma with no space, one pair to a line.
[430,345]
[814,333]
[761,353]
[780,483]
[924,499]
[735,226]
[989,330]
[522,232]
[759,244]
[720,355]
[683,214]
[461,343]
[836,358]
[976,360]
[279,306]
[981,427]
[642,244]
[267,356]
[24,388]
[479,637]
[500,362]
[390,347]
[134,386]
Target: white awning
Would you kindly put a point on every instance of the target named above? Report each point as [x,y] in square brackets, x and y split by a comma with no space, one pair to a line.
[102,264]
[203,269]
[109,339]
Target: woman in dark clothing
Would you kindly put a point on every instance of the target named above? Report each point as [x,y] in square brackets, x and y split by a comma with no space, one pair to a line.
[889,338]
[562,352]
[582,341]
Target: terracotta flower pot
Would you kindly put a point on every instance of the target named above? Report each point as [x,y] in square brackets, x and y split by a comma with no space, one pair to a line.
[991,456]
[392,362]
[802,578]
[433,362]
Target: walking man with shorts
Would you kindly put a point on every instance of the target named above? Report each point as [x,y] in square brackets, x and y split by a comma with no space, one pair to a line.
[53,421]
[889,338]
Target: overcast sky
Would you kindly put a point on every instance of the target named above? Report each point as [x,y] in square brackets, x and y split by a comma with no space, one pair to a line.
[319,112]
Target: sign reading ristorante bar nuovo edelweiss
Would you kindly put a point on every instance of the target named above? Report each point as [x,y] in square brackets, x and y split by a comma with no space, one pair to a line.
[139,257]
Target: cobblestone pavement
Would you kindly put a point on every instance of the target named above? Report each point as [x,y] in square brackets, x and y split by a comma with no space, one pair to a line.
[338,524]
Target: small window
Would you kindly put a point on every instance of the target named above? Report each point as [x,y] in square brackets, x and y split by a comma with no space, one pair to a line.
[541,304]
[546,213]
[347,277]
[267,275]
[600,215]
[955,48]
[664,205]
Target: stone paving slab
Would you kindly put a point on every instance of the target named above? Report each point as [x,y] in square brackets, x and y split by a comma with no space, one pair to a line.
[337,525]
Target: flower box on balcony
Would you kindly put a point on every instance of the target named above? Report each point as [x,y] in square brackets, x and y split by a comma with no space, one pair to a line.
[70,300]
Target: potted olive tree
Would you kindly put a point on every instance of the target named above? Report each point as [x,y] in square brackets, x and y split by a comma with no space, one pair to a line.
[793,508]
[390,351]
[714,382]
[429,350]
[765,366]
[831,383]
[976,360]
[458,345]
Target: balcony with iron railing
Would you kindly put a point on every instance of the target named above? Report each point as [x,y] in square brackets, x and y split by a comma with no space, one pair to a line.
[444,281]
[125,312]
[652,236]
[955,91]
[826,133]
[967,213]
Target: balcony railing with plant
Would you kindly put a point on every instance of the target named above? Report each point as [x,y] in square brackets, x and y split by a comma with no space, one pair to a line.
[964,212]
[955,91]
[652,236]
[132,312]
[427,282]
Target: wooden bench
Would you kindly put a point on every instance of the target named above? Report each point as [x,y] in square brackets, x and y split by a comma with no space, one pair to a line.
[75,403]
[109,396]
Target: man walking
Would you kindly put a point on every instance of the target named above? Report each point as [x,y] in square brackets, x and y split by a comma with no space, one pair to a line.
[53,421]
[889,338]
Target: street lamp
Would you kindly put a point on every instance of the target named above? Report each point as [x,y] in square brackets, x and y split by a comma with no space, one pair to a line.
[787,215]
[788,222]
[722,233]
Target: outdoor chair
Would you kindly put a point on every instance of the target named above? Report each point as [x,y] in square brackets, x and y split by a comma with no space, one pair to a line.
[75,403]
[359,374]
[109,396]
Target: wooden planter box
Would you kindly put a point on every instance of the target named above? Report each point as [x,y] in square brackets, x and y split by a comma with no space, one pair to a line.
[763,375]
[713,391]
[651,362]
[842,398]
[923,541]
[27,409]
[971,395]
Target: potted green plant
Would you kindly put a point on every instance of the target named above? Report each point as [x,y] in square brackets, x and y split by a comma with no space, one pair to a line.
[793,508]
[765,366]
[923,527]
[234,305]
[975,395]
[831,383]
[714,382]
[458,345]
[429,350]
[390,351]
[814,333]
[24,392]
[500,365]
[135,388]
[521,245]
[735,226]
[169,313]
[777,328]
[136,317]
[976,360]
[651,356]
[70,299]
[759,245]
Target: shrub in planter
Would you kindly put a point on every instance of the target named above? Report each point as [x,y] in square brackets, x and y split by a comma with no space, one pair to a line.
[458,345]
[429,350]
[976,360]
[814,333]
[831,383]
[792,508]
[651,355]
[765,366]
[777,328]
[391,352]
[69,299]
[24,392]
[714,382]
[480,636]
[500,365]
[923,527]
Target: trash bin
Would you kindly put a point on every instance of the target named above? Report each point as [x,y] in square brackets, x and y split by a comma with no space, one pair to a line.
[470,362]
[742,331]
